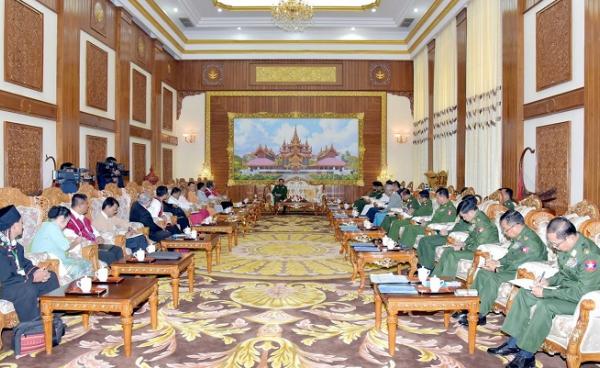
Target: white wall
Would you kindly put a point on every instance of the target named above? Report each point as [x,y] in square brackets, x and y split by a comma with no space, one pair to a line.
[83,132]
[399,120]
[191,155]
[577,155]
[48,141]
[48,93]
[577,48]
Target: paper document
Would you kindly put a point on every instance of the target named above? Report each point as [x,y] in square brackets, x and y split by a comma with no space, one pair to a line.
[389,278]
[527,284]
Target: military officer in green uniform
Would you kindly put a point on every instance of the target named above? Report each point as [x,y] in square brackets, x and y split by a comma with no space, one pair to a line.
[578,260]
[427,245]
[376,193]
[410,204]
[482,231]
[507,198]
[446,212]
[525,246]
[425,208]
[279,191]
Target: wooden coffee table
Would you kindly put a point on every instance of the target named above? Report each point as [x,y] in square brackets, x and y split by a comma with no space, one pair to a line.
[374,233]
[160,267]
[229,228]
[206,242]
[120,298]
[361,259]
[395,303]
[296,207]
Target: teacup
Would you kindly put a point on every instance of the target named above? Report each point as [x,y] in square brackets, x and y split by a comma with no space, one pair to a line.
[151,248]
[102,274]
[423,274]
[140,255]
[85,284]
[187,231]
[435,284]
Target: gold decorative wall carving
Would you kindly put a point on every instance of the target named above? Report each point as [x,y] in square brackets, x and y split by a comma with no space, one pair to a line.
[296,74]
[96,77]
[23,45]
[23,145]
[167,109]
[553,44]
[167,162]
[138,96]
[380,74]
[553,147]
[98,16]
[96,151]
[139,162]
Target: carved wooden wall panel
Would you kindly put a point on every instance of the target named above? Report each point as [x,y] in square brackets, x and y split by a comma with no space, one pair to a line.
[23,146]
[96,83]
[167,165]
[142,49]
[553,44]
[138,91]
[96,151]
[98,16]
[23,45]
[167,109]
[139,162]
[553,147]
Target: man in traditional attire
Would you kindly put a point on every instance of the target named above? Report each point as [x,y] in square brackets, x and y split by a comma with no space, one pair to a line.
[139,213]
[482,231]
[81,226]
[525,246]
[578,259]
[21,283]
[446,212]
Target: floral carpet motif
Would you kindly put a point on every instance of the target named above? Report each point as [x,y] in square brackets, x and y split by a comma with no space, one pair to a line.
[229,322]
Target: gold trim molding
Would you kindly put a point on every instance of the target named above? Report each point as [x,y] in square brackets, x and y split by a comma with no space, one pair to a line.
[373,4]
[209,95]
[298,115]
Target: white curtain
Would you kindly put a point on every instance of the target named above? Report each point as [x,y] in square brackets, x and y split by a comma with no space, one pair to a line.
[420,117]
[483,146]
[444,103]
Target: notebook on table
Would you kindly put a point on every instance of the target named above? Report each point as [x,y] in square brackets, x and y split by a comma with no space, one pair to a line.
[397,289]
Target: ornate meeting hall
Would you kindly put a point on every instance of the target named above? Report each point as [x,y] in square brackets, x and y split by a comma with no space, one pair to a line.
[300,183]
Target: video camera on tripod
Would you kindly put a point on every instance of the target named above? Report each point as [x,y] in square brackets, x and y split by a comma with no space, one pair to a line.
[69,177]
[110,171]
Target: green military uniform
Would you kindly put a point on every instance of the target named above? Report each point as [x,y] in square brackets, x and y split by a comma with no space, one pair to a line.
[423,209]
[482,231]
[428,244]
[444,213]
[360,203]
[410,203]
[279,193]
[578,274]
[510,204]
[526,247]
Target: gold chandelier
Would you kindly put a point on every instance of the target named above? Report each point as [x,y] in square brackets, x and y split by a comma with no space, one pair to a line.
[292,15]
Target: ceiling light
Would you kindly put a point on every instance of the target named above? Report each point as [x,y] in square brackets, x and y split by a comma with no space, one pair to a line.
[239,28]
[292,15]
[175,10]
[353,29]
[373,10]
[416,10]
[219,10]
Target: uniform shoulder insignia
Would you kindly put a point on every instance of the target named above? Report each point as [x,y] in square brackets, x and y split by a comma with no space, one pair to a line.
[590,265]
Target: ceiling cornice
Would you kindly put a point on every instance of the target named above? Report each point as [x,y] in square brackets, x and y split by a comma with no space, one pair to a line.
[373,4]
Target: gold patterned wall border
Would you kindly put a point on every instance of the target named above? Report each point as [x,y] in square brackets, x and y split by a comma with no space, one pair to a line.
[294,74]
[553,151]
[209,95]
[98,16]
[23,145]
[553,47]
[23,46]
[296,115]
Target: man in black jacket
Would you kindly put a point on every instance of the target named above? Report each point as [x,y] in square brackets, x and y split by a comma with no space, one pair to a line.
[162,192]
[20,281]
[139,213]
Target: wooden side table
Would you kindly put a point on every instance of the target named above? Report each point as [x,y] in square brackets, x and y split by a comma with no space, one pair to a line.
[120,298]
[220,228]
[376,233]
[171,268]
[395,303]
[206,242]
[361,259]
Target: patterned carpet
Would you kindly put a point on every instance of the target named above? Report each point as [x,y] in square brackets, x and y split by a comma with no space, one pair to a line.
[257,310]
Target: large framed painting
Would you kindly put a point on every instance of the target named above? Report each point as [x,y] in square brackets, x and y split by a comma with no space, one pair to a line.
[320,148]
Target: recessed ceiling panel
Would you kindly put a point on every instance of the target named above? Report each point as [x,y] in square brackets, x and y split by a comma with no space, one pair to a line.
[266,5]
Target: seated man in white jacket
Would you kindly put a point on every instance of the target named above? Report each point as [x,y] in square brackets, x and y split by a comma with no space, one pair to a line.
[179,200]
